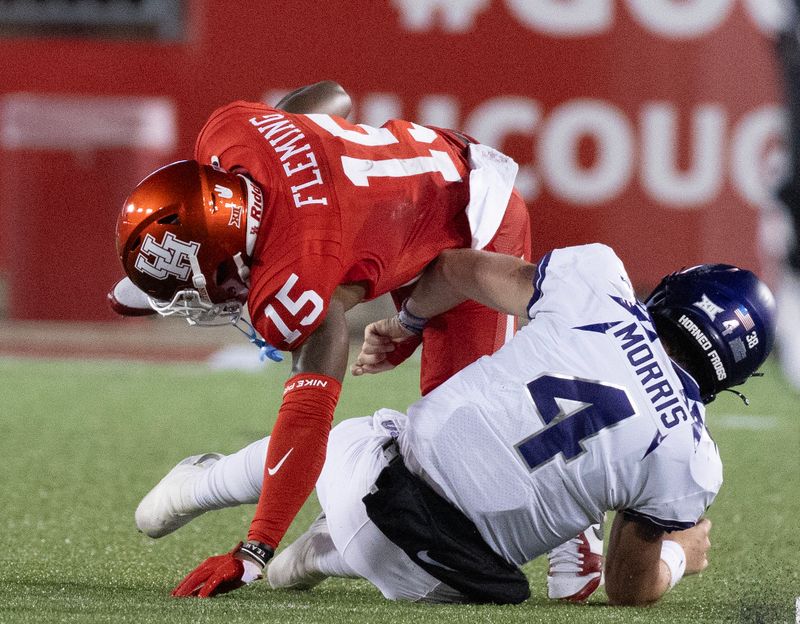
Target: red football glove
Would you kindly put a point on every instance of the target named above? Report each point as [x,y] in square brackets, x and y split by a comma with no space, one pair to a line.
[218,575]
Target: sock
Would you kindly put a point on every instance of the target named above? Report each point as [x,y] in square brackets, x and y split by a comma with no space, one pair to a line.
[233,480]
[296,454]
[331,563]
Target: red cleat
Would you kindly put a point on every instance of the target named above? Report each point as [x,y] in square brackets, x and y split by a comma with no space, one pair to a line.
[576,567]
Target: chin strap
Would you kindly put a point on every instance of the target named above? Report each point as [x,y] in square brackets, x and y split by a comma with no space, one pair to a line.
[265,349]
[198,309]
[744,399]
[242,269]
[199,280]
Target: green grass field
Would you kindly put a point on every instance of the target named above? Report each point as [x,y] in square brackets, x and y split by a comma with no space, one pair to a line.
[82,442]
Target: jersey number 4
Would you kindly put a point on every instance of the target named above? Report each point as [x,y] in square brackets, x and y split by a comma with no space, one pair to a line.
[573,410]
[359,170]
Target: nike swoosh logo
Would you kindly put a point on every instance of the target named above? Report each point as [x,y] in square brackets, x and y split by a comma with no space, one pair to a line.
[277,466]
[423,555]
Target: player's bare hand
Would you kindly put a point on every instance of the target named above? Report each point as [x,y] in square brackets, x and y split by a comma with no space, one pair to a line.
[695,543]
[380,339]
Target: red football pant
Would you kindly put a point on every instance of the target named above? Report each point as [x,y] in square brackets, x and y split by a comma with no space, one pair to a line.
[460,336]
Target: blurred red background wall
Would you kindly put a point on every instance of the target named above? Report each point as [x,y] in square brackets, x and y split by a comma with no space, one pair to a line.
[650,125]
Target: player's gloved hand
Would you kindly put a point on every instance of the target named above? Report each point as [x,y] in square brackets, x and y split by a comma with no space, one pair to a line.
[384,340]
[224,573]
[695,543]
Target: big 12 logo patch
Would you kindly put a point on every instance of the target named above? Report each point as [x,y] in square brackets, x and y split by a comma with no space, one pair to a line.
[168,258]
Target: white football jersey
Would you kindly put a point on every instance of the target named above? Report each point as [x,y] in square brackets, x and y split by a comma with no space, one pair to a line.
[580,413]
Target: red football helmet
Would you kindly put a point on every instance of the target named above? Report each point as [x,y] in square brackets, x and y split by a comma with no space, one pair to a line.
[184,237]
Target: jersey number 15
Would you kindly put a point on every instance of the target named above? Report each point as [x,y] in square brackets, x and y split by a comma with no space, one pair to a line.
[359,170]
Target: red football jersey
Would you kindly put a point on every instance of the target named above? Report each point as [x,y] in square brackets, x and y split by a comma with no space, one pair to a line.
[343,203]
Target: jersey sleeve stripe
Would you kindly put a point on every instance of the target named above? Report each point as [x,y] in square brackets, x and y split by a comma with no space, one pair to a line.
[666,525]
[541,272]
[689,384]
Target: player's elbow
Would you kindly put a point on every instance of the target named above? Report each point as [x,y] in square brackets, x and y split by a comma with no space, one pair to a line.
[450,265]
[331,86]
[631,598]
[338,101]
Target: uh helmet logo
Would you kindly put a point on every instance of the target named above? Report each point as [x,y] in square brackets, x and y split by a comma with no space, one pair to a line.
[168,258]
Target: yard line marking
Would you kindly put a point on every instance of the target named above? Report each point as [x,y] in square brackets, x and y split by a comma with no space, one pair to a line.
[750,422]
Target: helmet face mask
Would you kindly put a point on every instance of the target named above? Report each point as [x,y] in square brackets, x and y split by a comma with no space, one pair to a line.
[190,305]
[720,317]
[183,238]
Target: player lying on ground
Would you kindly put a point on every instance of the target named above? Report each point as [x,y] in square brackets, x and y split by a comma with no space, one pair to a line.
[304,216]
[596,405]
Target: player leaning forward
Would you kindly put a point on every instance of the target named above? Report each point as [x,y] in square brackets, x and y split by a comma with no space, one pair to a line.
[303,216]
[596,405]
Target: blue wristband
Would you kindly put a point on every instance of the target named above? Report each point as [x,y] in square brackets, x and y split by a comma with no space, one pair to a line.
[410,322]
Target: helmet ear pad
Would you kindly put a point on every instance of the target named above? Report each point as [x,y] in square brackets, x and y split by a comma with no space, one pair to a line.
[178,214]
[718,320]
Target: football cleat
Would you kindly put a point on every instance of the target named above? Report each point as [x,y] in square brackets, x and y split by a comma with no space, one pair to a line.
[167,507]
[576,567]
[294,567]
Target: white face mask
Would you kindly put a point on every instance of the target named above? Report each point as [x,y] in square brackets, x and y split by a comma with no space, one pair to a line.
[197,309]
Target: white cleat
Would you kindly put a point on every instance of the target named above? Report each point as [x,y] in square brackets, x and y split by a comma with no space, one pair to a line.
[576,567]
[294,567]
[166,507]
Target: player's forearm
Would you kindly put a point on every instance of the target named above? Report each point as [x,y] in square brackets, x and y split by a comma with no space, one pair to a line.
[497,281]
[637,586]
[326,97]
[634,572]
[325,351]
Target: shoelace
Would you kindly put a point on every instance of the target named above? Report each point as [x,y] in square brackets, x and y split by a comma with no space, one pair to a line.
[566,558]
